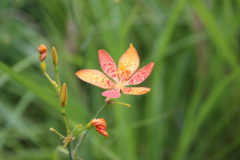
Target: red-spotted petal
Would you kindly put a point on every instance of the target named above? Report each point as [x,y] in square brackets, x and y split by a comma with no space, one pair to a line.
[96,78]
[140,75]
[128,63]
[108,65]
[136,90]
[114,93]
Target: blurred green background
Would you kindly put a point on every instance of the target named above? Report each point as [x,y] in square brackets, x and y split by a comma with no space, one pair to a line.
[192,112]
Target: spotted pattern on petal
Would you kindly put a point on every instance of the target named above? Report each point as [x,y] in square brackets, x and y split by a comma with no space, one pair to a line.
[96,78]
[140,75]
[108,65]
[114,93]
[136,90]
[128,63]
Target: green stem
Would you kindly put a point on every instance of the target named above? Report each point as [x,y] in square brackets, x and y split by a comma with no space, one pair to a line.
[75,129]
[68,132]
[86,128]
[48,77]
[70,152]
[65,120]
[121,103]
[56,132]
[100,110]
[79,142]
[52,82]
[57,77]
[83,129]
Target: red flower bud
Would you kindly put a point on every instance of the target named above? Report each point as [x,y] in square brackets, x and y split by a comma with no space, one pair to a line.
[101,126]
[42,49]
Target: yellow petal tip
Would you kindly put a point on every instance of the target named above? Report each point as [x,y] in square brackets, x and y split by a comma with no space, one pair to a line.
[131,45]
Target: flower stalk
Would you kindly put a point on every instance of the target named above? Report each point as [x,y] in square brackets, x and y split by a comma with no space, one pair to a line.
[126,74]
[65,120]
[61,92]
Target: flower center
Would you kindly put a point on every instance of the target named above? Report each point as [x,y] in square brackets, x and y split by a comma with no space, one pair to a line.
[120,85]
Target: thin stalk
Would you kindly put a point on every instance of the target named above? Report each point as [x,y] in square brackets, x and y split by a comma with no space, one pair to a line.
[75,129]
[48,77]
[83,129]
[79,142]
[57,76]
[121,103]
[86,128]
[65,120]
[67,130]
[56,132]
[51,81]
[70,152]
[100,110]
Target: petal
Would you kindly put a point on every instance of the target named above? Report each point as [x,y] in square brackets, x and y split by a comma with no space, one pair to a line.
[108,65]
[102,131]
[114,93]
[96,78]
[136,90]
[128,63]
[99,122]
[140,75]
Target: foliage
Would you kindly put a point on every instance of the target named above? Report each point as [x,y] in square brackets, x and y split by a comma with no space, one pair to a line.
[192,111]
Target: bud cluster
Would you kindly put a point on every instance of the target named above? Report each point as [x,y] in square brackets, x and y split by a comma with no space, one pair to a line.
[62,91]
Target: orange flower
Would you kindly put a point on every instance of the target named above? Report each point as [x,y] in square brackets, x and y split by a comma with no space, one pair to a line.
[101,126]
[42,51]
[123,76]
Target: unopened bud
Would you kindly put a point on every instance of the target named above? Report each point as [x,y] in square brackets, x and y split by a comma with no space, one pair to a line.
[63,95]
[54,57]
[101,126]
[42,49]
[43,66]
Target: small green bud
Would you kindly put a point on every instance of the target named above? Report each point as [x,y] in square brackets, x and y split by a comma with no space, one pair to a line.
[54,57]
